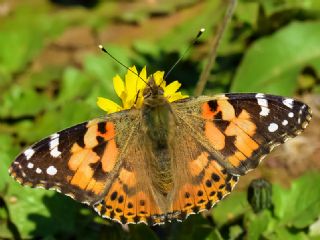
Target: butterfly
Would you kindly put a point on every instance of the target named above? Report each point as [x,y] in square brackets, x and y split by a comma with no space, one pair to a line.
[166,160]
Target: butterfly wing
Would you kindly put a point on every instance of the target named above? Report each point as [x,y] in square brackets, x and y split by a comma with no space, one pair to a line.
[80,161]
[221,137]
[93,164]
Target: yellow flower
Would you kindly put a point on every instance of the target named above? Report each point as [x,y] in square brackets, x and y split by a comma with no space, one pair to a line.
[130,91]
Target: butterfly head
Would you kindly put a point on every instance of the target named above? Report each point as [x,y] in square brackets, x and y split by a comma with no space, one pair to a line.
[153,94]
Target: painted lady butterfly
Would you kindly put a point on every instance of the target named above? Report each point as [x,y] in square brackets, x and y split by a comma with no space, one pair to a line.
[166,160]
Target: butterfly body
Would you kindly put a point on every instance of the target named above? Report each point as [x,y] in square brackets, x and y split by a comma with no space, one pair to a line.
[166,160]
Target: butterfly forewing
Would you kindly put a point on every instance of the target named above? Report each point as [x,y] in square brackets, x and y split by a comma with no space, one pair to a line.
[240,129]
[80,161]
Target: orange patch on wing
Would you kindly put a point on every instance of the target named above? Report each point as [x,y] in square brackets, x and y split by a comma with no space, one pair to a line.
[95,186]
[84,173]
[226,109]
[243,142]
[185,199]
[110,155]
[215,136]
[207,113]
[77,157]
[197,165]
[128,178]
[243,121]
[143,205]
[236,158]
[90,138]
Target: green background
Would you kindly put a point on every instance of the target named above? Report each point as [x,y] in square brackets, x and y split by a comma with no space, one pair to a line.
[51,73]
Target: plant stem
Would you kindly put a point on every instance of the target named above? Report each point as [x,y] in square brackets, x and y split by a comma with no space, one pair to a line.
[214,46]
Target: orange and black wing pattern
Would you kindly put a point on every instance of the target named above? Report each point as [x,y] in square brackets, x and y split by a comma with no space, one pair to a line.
[80,161]
[240,129]
[222,137]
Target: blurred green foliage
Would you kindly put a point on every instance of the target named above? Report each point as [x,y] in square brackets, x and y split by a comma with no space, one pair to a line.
[269,46]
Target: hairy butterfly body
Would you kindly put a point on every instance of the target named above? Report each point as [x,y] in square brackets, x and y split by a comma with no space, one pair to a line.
[166,160]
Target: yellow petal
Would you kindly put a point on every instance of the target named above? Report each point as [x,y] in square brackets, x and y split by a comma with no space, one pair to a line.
[131,83]
[172,88]
[118,85]
[141,84]
[176,96]
[108,105]
[158,77]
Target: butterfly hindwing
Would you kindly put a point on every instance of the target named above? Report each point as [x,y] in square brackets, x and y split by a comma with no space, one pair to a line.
[200,181]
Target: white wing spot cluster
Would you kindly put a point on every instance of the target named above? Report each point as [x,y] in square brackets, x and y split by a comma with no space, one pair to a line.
[263,103]
[29,153]
[51,170]
[290,115]
[273,127]
[285,122]
[53,145]
[38,170]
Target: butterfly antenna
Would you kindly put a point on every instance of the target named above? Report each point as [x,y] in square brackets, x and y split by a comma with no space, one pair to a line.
[105,51]
[185,52]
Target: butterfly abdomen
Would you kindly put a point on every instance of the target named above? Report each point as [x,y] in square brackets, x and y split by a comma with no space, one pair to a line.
[156,121]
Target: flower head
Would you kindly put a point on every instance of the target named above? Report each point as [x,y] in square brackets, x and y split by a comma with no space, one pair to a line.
[130,91]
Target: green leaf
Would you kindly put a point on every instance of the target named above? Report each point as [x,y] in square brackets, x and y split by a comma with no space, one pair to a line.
[247,12]
[19,101]
[274,6]
[235,232]
[272,64]
[230,208]
[314,229]
[257,224]
[282,233]
[298,206]
[214,235]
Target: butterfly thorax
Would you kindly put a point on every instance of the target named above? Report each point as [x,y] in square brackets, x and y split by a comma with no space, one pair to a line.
[157,118]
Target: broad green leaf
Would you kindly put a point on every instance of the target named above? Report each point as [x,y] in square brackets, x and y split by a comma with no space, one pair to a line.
[176,38]
[273,6]
[314,229]
[230,208]
[214,235]
[282,233]
[74,85]
[247,11]
[272,64]
[8,151]
[37,212]
[298,206]
[257,224]
[19,101]
[235,232]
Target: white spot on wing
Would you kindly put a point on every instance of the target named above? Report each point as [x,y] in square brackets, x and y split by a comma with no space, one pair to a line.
[29,153]
[264,111]
[290,114]
[263,103]
[38,170]
[30,165]
[53,145]
[272,127]
[284,122]
[288,102]
[259,95]
[52,170]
